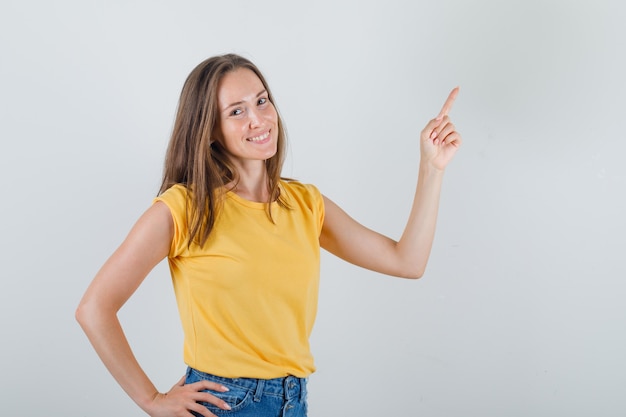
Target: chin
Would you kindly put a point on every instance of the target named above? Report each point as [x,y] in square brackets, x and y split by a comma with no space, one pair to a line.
[270,156]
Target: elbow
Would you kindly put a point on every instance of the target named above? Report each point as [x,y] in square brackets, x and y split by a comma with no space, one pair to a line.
[81,315]
[409,264]
[92,314]
[414,275]
[413,272]
[86,314]
[417,275]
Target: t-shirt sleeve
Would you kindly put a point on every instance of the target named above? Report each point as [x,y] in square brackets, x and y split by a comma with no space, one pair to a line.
[317,204]
[175,198]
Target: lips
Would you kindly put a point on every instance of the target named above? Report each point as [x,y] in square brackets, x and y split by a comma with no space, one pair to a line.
[259,138]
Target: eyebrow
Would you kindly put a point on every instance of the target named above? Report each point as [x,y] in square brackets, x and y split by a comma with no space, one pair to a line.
[264,91]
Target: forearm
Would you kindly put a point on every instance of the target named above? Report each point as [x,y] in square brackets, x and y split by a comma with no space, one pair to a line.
[406,258]
[107,337]
[439,142]
[413,248]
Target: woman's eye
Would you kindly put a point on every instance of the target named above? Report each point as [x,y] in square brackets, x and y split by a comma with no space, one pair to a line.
[236,112]
[262,101]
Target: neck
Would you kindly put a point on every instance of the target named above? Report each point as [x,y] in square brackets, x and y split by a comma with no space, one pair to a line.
[253,182]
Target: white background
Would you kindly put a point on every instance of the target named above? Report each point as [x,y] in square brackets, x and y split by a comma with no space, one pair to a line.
[521,311]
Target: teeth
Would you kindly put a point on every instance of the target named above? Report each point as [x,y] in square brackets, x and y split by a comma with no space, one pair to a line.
[259,138]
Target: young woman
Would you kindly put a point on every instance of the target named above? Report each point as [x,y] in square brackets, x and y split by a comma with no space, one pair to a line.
[243,246]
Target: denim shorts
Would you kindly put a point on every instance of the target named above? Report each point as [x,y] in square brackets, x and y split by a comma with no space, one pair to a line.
[247,397]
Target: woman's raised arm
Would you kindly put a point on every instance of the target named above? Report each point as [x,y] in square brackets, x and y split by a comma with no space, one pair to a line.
[407,257]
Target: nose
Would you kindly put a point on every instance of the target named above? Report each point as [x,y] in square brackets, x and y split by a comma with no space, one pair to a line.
[255,118]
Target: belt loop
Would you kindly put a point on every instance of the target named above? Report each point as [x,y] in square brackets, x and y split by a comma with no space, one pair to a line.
[260,383]
[286,388]
[302,389]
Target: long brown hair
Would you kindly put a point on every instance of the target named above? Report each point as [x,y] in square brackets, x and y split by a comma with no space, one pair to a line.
[199,162]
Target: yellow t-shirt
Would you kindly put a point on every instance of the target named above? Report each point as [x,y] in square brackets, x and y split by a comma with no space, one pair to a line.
[248,298]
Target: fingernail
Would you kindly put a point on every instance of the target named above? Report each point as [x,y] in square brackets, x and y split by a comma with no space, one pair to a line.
[224,389]
[226,406]
[434,134]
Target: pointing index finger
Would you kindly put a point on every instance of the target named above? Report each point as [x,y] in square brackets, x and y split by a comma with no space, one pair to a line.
[447,106]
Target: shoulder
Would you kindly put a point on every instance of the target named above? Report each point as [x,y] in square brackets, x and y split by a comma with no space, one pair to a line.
[299,188]
[300,192]
[175,197]
[306,197]
[175,200]
[175,192]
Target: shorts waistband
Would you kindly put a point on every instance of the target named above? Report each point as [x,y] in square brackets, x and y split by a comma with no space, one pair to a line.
[287,387]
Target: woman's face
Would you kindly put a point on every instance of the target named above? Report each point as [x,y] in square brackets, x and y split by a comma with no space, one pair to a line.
[248,120]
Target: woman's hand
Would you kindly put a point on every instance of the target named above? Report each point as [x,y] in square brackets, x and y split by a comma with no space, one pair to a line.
[182,399]
[439,140]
